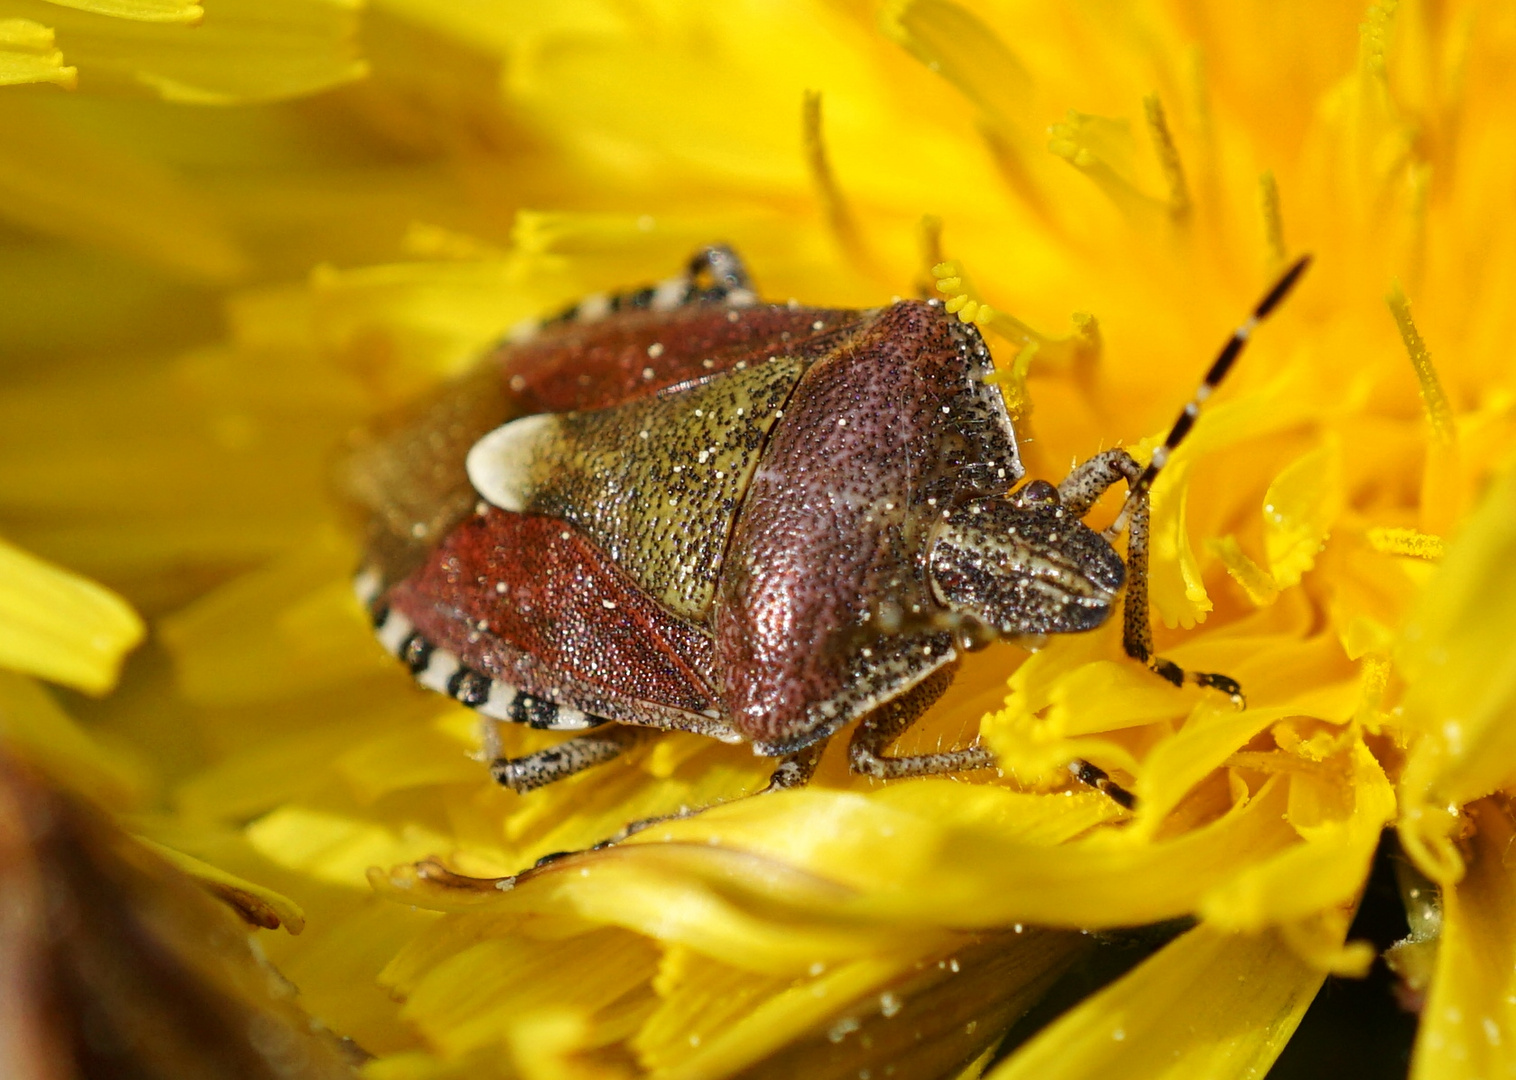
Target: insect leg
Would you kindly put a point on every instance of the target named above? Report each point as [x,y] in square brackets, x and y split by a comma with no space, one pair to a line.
[726,272]
[880,728]
[1096,777]
[795,770]
[1083,487]
[715,274]
[536,770]
[1078,493]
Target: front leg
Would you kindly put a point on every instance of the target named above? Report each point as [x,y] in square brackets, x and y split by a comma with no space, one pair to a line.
[1078,492]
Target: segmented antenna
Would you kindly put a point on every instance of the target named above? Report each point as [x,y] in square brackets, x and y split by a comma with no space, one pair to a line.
[1223,363]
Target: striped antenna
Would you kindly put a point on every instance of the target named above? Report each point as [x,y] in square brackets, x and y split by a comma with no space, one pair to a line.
[1223,363]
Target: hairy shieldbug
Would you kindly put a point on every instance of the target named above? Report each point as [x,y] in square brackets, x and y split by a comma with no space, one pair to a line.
[684,509]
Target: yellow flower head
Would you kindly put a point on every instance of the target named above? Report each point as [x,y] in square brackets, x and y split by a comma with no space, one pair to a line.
[211,305]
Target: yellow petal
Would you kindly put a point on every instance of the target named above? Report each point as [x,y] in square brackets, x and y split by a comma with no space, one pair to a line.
[467,1000]
[336,848]
[1457,654]
[1299,509]
[956,44]
[1108,695]
[243,51]
[63,183]
[918,1012]
[1209,1004]
[775,884]
[1175,582]
[256,903]
[1212,734]
[172,11]
[293,626]
[34,727]
[545,1045]
[61,626]
[1468,1025]
[1329,869]
[27,55]
[1261,588]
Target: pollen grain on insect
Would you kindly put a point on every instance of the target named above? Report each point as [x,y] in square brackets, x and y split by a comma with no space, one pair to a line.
[818,325]
[609,605]
[655,350]
[648,373]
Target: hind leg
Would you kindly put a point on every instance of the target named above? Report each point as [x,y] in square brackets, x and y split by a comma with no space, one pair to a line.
[793,771]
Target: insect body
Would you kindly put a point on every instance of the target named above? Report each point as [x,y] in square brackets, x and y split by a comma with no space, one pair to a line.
[684,509]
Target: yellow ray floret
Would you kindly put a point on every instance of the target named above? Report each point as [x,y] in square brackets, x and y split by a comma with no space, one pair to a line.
[61,626]
[28,55]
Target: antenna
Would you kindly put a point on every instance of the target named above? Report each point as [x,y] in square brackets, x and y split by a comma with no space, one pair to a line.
[1219,368]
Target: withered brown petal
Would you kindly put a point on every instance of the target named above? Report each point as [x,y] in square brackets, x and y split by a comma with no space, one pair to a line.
[114,964]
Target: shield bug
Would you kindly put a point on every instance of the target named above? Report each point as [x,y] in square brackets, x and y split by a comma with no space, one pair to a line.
[681,508]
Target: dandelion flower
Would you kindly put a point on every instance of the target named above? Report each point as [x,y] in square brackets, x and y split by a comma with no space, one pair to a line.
[219,300]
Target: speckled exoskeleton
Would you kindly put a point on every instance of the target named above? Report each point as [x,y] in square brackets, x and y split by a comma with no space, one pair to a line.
[684,509]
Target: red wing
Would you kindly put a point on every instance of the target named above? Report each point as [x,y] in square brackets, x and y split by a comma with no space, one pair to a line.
[572,366]
[529,601]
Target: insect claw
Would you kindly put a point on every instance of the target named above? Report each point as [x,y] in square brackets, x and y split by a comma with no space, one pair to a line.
[1168,670]
[1094,776]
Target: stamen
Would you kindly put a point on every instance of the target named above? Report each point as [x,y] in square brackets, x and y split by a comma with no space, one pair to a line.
[1102,149]
[1257,582]
[964,302]
[838,215]
[929,243]
[1412,542]
[1372,690]
[1373,34]
[1433,399]
[1168,157]
[1273,219]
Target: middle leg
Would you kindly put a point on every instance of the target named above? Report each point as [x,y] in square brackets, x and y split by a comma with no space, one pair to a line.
[880,728]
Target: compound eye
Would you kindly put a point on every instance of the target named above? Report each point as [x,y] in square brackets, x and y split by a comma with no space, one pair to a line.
[1037,491]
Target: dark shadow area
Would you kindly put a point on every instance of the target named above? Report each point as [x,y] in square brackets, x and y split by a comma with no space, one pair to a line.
[1354,1027]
